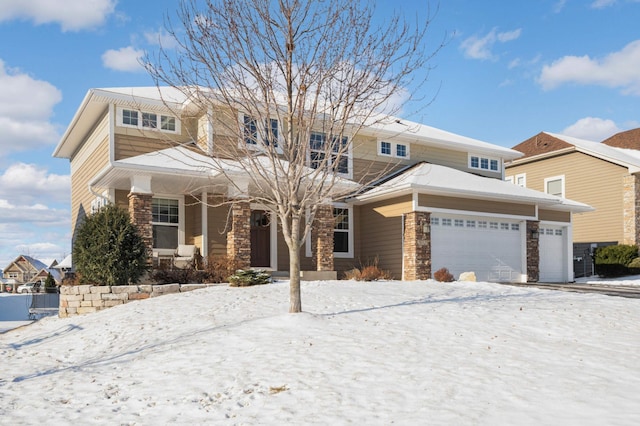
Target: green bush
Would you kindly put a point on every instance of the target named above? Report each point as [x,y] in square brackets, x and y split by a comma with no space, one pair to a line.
[614,261]
[50,284]
[248,277]
[108,249]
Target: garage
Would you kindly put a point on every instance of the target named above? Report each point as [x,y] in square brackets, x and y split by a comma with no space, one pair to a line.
[492,248]
[553,258]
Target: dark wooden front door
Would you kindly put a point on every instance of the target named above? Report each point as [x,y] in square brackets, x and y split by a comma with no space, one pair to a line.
[260,239]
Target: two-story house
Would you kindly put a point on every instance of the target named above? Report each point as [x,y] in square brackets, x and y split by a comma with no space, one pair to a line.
[444,202]
[604,175]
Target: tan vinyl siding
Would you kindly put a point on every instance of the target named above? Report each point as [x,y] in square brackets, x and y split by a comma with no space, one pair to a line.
[122,198]
[90,159]
[383,238]
[484,206]
[193,222]
[130,142]
[217,230]
[554,216]
[588,180]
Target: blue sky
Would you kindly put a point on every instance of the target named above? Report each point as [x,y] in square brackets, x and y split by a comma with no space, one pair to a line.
[510,69]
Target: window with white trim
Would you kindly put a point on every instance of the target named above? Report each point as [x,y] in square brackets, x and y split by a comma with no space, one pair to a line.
[147,120]
[393,149]
[339,159]
[554,186]
[342,240]
[165,221]
[520,179]
[253,133]
[484,163]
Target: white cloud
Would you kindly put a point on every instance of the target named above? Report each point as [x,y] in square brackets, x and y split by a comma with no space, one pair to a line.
[557,8]
[592,128]
[601,4]
[161,38]
[72,15]
[26,105]
[476,47]
[123,59]
[616,70]
[28,184]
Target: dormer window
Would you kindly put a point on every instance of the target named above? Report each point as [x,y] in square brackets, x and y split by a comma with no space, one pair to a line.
[145,120]
[484,163]
[393,149]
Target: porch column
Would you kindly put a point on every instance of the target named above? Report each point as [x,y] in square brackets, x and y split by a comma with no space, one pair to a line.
[322,238]
[239,237]
[417,246]
[631,209]
[533,251]
[141,216]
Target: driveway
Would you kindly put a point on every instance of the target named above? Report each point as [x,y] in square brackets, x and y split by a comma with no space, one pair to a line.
[604,287]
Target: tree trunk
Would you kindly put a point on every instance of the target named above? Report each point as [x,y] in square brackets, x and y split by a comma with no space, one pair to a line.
[295,300]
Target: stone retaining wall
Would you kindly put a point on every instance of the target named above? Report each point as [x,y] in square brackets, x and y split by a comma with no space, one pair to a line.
[84,299]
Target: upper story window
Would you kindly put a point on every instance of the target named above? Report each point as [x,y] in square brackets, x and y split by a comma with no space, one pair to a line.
[519,179]
[554,186]
[393,149]
[147,120]
[484,163]
[338,157]
[268,134]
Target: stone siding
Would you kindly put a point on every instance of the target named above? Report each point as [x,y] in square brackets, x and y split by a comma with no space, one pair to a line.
[631,209]
[417,246]
[533,251]
[322,238]
[85,299]
[239,238]
[140,211]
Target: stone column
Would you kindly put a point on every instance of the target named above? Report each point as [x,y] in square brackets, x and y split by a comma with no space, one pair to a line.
[141,216]
[417,246]
[322,238]
[239,237]
[631,209]
[533,251]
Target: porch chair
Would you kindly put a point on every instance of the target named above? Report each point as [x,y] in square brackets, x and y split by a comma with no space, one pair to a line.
[185,256]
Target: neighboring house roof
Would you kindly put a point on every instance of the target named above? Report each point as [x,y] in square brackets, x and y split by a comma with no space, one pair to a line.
[96,102]
[35,263]
[434,179]
[546,144]
[66,263]
[629,139]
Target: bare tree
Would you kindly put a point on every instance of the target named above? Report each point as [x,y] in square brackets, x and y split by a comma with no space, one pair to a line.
[320,68]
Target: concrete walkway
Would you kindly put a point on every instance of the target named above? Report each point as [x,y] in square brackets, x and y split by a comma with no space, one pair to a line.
[632,292]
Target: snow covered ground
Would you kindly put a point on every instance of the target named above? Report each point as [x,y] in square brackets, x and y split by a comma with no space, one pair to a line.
[362,353]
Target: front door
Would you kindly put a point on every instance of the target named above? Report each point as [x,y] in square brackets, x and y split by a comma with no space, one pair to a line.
[260,239]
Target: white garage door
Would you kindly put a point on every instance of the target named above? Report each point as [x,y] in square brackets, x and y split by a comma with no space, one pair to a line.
[553,260]
[492,248]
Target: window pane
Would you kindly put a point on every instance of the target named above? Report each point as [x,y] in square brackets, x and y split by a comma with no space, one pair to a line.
[168,123]
[494,165]
[401,150]
[484,163]
[341,242]
[164,210]
[316,141]
[340,164]
[149,120]
[341,218]
[554,187]
[250,130]
[385,148]
[317,158]
[475,162]
[272,132]
[129,117]
[165,237]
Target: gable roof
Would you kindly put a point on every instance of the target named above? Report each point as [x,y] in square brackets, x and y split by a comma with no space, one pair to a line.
[35,263]
[96,103]
[427,178]
[547,144]
[629,139]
